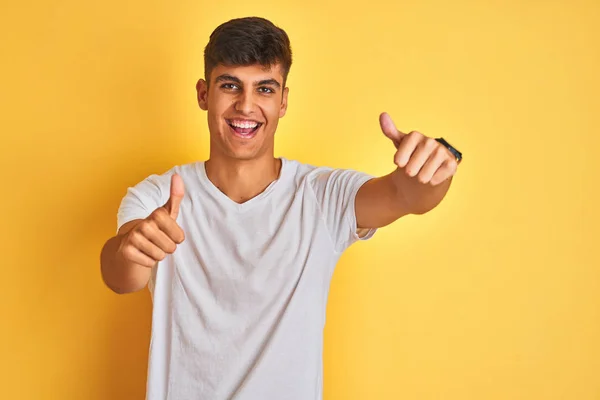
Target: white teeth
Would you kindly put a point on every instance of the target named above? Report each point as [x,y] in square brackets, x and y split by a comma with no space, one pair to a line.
[244,125]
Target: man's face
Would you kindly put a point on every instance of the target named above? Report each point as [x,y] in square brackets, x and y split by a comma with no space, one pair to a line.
[244,104]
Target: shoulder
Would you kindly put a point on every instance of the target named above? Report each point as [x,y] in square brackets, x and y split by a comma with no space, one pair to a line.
[305,172]
[159,182]
[324,175]
[186,171]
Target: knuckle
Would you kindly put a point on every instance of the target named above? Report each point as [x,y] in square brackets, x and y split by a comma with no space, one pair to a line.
[135,236]
[145,228]
[441,150]
[126,241]
[128,252]
[453,166]
[431,142]
[158,214]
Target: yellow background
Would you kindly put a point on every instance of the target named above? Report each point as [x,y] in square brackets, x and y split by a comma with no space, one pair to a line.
[493,295]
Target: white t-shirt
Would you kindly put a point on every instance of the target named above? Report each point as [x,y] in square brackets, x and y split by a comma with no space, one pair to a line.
[239,308]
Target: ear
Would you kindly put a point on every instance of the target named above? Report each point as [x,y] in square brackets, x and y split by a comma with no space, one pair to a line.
[284,102]
[202,93]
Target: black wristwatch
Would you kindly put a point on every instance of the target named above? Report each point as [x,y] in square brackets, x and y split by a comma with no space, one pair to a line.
[447,145]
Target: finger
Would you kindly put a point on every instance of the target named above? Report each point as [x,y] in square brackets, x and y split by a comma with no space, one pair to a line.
[141,243]
[177,193]
[136,256]
[407,147]
[170,227]
[433,163]
[159,238]
[389,129]
[445,172]
[424,150]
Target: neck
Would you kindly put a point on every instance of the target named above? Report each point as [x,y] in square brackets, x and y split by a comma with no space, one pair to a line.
[241,180]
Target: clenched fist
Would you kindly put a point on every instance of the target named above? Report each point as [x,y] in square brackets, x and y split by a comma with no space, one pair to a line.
[157,235]
[421,157]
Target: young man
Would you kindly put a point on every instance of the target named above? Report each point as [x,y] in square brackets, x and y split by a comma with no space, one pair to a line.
[238,251]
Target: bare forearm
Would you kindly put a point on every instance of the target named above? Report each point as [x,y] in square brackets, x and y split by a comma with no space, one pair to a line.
[120,275]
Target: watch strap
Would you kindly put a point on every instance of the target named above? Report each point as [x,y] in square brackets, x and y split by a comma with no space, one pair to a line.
[447,145]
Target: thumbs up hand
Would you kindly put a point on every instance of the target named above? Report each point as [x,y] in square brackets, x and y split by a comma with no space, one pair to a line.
[157,235]
[422,158]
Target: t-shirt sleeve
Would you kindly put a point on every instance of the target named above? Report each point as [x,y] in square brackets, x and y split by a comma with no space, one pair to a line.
[142,199]
[335,191]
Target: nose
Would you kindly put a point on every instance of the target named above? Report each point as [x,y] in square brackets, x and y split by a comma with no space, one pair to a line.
[244,103]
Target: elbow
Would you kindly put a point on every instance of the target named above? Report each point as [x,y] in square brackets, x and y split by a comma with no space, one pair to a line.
[119,285]
[117,290]
[114,288]
[422,211]
[122,289]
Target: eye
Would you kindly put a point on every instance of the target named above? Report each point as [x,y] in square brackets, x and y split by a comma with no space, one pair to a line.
[264,89]
[230,86]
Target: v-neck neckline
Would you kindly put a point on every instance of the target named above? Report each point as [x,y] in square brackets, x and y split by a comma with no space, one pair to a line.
[224,199]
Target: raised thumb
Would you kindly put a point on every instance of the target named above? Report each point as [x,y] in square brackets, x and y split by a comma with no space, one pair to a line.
[177,192]
[389,129]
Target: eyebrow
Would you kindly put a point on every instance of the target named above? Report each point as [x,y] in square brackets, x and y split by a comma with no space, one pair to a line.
[231,78]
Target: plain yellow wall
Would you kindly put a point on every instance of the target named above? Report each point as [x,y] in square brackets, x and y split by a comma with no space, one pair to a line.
[493,295]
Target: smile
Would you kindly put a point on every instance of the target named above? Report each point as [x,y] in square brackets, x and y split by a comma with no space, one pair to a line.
[244,128]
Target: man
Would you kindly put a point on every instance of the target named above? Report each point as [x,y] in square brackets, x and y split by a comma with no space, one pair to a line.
[238,251]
